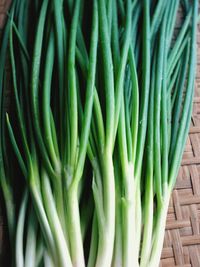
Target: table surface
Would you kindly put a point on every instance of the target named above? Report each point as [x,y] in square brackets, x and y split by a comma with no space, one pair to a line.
[182,236]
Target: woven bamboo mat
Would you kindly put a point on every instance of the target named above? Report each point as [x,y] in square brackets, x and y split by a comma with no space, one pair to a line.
[4,4]
[182,237]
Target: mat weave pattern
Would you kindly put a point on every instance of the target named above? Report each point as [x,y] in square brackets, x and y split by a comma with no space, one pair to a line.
[4,4]
[182,237]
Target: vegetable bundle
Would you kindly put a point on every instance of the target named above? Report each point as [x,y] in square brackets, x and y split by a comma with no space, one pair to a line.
[90,147]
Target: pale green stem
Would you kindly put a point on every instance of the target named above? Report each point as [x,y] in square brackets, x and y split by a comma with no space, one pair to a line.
[130,256]
[74,227]
[107,234]
[19,255]
[62,252]
[47,260]
[30,253]
[159,232]
[148,222]
[138,218]
[93,243]
[117,260]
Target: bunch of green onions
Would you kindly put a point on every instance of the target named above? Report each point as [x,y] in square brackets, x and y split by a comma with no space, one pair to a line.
[92,140]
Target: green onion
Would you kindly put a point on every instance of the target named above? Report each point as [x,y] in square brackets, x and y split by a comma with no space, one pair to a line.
[101,102]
